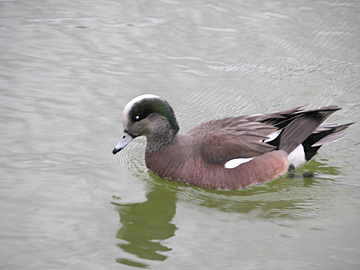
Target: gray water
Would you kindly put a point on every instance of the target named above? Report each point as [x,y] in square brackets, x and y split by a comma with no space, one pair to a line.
[67,69]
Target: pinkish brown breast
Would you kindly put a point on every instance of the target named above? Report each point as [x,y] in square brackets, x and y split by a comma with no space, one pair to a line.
[177,165]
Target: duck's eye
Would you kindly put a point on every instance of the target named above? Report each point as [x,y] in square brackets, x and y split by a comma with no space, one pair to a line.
[136,117]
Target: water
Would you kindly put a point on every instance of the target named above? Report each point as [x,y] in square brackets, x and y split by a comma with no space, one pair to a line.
[66,71]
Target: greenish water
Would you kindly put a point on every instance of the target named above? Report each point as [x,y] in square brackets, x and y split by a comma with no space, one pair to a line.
[68,69]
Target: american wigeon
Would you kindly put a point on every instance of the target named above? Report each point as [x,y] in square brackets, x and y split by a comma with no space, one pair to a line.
[230,153]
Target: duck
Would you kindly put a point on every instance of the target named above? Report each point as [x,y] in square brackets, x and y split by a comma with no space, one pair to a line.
[230,153]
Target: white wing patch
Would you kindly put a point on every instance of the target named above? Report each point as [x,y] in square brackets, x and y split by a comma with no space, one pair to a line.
[272,136]
[233,163]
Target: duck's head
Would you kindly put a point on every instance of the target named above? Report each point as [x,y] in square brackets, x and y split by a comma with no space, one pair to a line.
[150,116]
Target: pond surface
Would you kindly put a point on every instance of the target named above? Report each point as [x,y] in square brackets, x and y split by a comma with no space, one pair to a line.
[68,68]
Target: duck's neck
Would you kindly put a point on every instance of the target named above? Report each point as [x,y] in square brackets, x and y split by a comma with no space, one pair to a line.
[161,140]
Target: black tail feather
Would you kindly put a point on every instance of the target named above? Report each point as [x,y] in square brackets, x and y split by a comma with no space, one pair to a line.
[324,134]
[303,126]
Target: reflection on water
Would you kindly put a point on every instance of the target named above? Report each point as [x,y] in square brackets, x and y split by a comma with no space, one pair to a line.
[145,225]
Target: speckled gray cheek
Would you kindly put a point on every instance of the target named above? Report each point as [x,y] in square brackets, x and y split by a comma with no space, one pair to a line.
[130,105]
